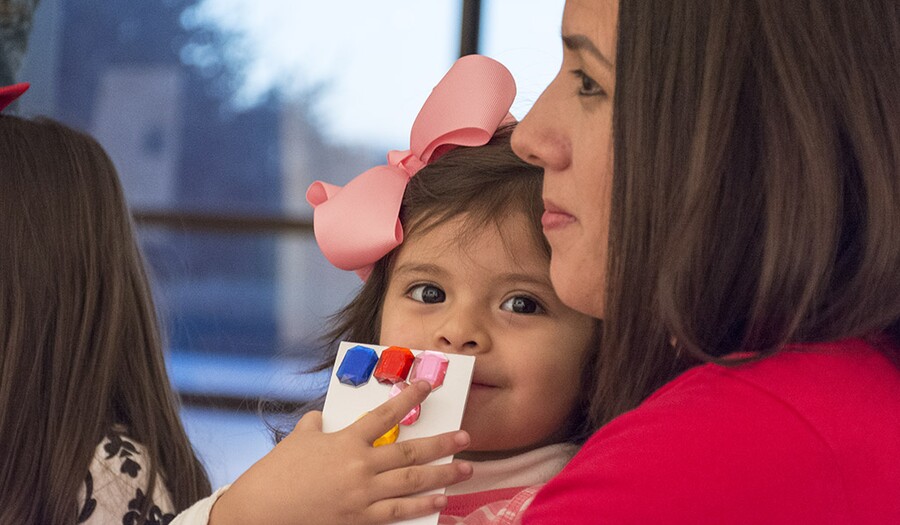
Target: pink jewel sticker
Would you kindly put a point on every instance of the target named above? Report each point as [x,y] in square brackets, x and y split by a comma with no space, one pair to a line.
[413,414]
[430,366]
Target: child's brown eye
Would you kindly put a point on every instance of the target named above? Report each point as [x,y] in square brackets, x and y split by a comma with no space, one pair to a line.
[522,304]
[427,293]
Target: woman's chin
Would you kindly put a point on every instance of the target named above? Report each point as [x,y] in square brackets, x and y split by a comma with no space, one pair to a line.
[574,289]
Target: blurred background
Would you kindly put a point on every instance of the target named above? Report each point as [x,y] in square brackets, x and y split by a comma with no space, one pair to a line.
[218,115]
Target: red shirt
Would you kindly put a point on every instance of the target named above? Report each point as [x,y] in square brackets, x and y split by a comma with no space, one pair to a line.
[811,435]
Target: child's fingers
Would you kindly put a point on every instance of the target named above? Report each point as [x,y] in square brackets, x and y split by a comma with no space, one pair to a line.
[311,421]
[399,509]
[385,416]
[419,451]
[415,480]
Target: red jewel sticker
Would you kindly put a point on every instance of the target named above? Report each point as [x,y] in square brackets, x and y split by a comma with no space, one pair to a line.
[394,365]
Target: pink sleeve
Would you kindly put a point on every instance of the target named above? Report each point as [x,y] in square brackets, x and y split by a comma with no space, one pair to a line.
[707,448]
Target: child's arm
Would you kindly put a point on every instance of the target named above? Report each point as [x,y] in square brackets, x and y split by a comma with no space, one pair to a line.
[313,477]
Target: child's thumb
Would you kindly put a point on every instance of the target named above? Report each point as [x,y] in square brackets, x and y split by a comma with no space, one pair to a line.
[310,422]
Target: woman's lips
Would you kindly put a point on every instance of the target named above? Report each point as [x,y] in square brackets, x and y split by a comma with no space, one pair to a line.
[555,217]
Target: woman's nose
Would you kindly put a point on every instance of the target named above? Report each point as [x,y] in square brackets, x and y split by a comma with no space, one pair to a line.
[462,333]
[539,138]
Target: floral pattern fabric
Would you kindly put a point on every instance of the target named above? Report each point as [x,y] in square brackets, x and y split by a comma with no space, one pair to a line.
[114,489]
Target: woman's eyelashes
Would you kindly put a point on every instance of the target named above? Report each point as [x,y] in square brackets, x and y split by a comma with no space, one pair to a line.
[426,293]
[588,87]
[522,304]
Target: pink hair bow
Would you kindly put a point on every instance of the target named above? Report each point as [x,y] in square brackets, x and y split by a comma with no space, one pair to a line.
[10,93]
[358,224]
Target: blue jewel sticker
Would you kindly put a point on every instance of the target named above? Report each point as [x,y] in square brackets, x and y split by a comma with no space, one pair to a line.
[357,366]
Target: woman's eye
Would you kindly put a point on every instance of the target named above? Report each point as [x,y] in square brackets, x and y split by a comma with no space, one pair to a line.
[589,87]
[427,293]
[521,304]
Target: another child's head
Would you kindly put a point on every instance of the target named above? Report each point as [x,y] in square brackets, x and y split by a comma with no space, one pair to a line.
[81,350]
[472,277]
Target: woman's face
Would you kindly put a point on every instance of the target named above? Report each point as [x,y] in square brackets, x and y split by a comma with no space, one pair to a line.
[568,132]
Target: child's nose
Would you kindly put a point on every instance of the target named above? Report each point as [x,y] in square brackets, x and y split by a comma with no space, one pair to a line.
[462,334]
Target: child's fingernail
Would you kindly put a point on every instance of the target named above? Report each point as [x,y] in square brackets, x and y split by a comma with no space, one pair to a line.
[465,469]
[440,502]
[461,438]
[423,386]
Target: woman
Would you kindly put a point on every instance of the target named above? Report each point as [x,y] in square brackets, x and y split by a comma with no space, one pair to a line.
[748,210]
[751,213]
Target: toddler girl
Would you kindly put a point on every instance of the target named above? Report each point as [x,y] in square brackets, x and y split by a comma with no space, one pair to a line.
[472,277]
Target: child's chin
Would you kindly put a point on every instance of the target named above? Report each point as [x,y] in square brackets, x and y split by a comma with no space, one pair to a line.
[490,454]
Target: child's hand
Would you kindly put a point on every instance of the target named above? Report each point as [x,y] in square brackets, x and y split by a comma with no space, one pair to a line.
[317,478]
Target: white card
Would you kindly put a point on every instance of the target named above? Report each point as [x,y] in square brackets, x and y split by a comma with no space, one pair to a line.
[441,412]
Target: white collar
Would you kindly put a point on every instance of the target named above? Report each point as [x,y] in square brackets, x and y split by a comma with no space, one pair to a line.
[524,470]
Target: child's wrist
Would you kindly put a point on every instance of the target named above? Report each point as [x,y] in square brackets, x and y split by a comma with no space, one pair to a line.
[224,511]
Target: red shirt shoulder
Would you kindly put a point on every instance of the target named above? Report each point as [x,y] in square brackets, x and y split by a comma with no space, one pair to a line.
[811,435]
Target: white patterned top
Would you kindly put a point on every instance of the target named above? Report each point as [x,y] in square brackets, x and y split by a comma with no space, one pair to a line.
[116,485]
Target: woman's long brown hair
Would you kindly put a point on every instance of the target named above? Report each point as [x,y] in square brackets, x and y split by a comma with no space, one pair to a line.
[756,193]
[81,350]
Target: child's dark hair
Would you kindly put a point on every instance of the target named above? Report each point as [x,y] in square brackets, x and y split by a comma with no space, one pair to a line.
[81,351]
[487,184]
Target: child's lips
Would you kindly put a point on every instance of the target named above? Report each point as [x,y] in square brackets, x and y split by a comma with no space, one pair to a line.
[481,383]
[486,376]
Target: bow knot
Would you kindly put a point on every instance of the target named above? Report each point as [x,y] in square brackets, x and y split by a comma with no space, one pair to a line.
[358,224]
[405,160]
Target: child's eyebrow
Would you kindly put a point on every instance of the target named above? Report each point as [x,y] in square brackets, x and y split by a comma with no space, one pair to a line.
[420,268]
[527,278]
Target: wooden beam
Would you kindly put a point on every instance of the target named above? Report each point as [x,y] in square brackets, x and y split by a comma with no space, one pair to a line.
[470,27]
[237,223]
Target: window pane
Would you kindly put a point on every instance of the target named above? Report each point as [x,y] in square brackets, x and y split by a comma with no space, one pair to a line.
[238,103]
[235,107]
[242,294]
[524,35]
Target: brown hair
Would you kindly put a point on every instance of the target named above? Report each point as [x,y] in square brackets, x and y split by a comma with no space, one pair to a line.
[81,349]
[756,193]
[487,184]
